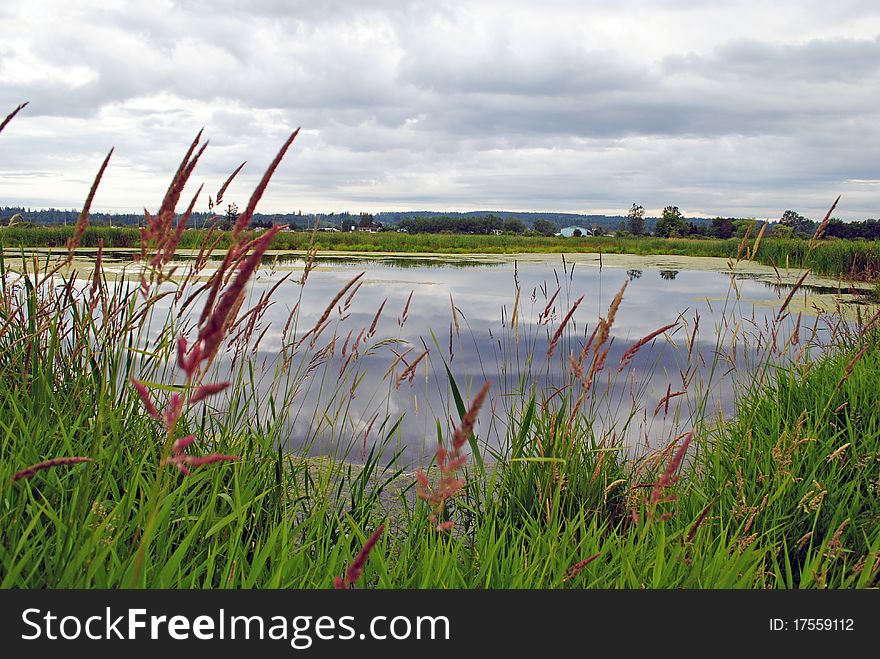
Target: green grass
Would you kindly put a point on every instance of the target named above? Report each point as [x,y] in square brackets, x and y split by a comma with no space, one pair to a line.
[771,498]
[782,495]
[856,259]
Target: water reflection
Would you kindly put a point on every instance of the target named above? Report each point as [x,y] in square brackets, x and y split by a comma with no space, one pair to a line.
[493,320]
[494,334]
[298,260]
[391,261]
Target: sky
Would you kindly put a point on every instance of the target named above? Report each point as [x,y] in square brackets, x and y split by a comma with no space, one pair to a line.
[739,108]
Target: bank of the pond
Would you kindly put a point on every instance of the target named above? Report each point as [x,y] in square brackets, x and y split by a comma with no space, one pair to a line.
[818,293]
[852,259]
[786,494]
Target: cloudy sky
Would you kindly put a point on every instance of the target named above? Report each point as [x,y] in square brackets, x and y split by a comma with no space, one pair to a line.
[732,108]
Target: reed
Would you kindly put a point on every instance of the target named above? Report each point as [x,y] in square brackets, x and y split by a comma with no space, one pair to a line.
[145,428]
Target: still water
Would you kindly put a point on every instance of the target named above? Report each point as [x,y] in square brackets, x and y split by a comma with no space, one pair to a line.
[481,317]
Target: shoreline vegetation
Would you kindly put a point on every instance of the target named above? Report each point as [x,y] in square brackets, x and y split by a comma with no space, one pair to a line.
[853,260]
[126,462]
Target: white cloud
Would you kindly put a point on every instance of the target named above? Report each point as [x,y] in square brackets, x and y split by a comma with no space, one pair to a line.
[733,108]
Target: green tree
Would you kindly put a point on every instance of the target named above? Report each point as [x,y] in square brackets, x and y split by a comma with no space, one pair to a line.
[722,227]
[635,220]
[515,225]
[671,223]
[791,218]
[228,221]
[800,225]
[781,231]
[545,227]
[740,227]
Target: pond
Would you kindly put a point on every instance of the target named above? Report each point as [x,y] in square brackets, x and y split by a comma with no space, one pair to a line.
[483,318]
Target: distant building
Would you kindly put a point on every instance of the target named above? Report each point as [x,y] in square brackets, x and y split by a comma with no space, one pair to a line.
[368,227]
[568,232]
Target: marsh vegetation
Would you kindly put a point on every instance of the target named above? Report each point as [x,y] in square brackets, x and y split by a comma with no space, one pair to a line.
[145,439]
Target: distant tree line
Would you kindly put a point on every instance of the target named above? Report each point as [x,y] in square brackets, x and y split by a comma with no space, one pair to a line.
[46,216]
[868,229]
[530,218]
[474,225]
[198,220]
[670,224]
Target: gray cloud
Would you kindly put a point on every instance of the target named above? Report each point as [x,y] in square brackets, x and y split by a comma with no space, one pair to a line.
[735,108]
[816,61]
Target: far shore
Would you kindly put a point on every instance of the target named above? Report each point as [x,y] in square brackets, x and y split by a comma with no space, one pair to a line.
[747,268]
[827,294]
